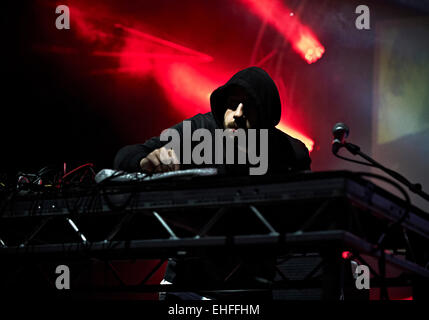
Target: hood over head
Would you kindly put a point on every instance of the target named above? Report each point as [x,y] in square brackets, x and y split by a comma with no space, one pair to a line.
[263,93]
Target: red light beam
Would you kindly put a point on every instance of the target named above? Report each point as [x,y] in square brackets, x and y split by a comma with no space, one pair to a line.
[165,43]
[302,38]
[187,88]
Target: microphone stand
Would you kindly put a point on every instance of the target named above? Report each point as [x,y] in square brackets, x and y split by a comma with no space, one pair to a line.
[414,187]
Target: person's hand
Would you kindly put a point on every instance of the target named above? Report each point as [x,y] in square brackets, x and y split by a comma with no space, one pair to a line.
[160,160]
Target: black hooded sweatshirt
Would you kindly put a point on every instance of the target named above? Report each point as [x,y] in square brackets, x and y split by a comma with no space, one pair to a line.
[285,154]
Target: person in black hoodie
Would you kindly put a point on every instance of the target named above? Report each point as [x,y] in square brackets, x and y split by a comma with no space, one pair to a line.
[249,100]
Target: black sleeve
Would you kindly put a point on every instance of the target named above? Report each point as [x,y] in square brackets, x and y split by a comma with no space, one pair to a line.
[303,160]
[287,154]
[128,158]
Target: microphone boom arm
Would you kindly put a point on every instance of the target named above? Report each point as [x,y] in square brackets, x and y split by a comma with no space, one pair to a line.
[414,187]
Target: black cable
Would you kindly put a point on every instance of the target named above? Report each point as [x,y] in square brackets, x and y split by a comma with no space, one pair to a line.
[381,239]
[355,161]
[402,190]
[407,240]
[414,187]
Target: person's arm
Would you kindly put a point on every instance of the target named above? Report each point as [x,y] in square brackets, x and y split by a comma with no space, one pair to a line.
[134,158]
[128,158]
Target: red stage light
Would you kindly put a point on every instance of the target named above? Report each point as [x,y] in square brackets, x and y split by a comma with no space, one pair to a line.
[346,254]
[308,46]
[302,39]
[178,70]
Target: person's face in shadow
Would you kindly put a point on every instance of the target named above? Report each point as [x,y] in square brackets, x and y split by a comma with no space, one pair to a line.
[239,113]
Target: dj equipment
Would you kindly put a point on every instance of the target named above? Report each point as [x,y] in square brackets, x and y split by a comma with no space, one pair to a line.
[306,220]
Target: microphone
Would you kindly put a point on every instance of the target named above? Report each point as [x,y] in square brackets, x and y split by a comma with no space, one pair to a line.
[340,132]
